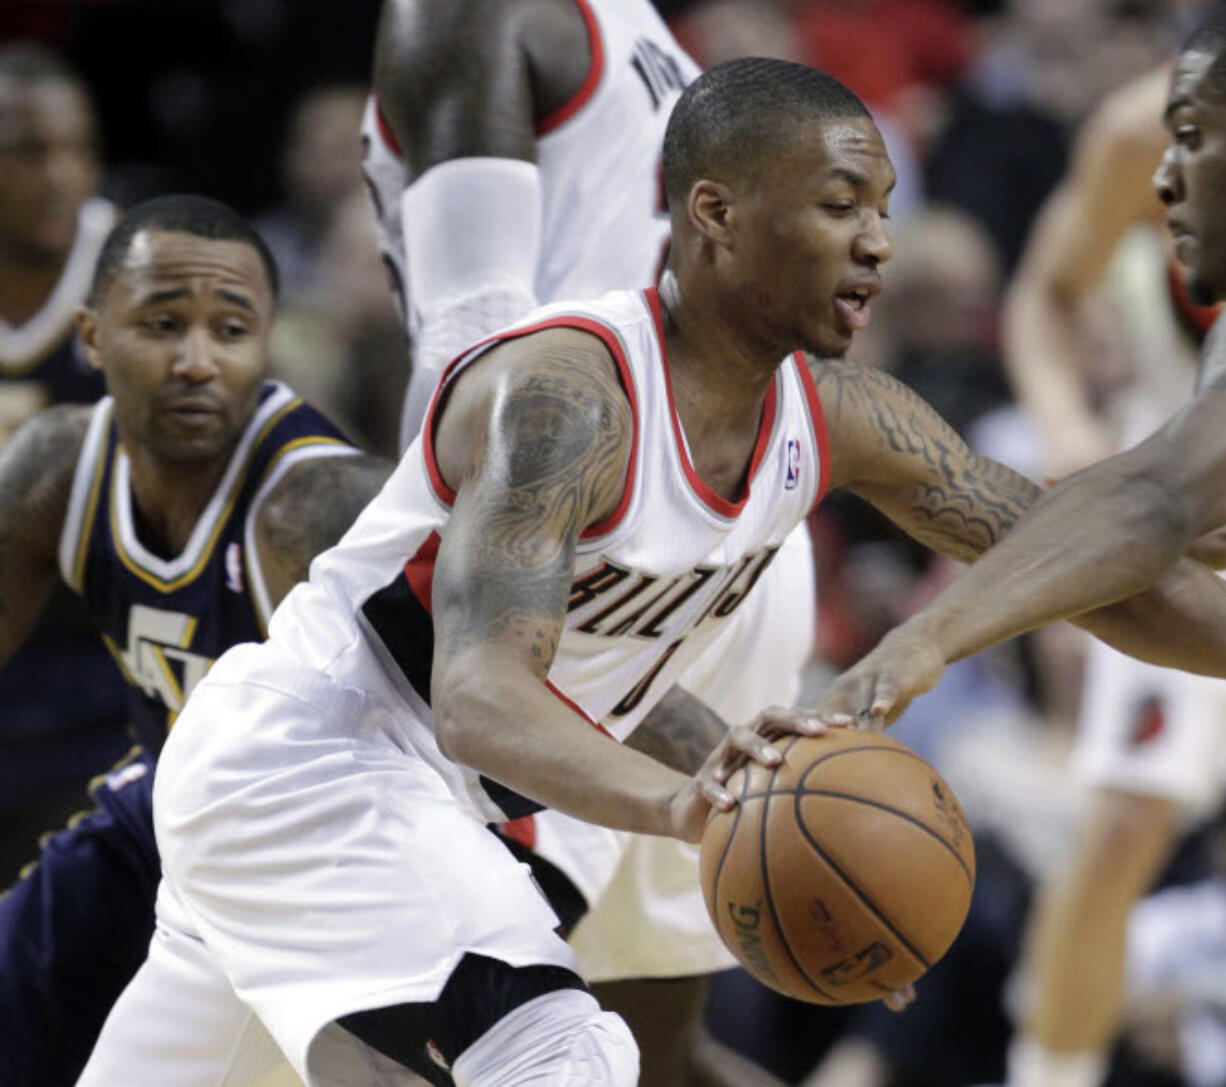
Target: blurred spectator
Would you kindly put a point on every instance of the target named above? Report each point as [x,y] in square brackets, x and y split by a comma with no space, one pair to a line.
[340,344]
[321,166]
[52,732]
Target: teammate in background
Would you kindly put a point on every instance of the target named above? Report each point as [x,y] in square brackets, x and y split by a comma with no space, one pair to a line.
[181,508]
[1124,525]
[513,153]
[51,226]
[1144,780]
[467,651]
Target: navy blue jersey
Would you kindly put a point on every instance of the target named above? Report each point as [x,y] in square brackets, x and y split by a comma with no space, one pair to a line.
[166,620]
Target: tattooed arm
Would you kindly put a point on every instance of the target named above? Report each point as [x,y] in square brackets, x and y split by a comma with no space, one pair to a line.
[36,469]
[536,440]
[681,731]
[308,511]
[1105,534]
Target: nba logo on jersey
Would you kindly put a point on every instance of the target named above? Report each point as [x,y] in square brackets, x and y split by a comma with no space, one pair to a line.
[792,453]
[234,568]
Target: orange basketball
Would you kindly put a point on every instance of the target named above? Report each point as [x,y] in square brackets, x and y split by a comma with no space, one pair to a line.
[842,874]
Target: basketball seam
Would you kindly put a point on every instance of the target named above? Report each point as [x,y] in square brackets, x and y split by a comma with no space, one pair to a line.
[883,807]
[766,882]
[854,888]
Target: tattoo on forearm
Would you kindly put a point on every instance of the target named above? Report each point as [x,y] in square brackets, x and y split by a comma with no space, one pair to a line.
[554,462]
[967,501]
[680,731]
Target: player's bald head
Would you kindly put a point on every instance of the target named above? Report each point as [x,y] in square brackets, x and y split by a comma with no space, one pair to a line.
[736,116]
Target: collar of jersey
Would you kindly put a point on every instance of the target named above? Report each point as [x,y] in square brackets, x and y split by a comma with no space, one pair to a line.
[168,575]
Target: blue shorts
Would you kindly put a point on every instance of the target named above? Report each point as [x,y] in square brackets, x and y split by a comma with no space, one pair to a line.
[75,928]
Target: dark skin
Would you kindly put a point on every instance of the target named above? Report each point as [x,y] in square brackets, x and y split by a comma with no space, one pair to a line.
[1128,524]
[181,334]
[48,167]
[473,78]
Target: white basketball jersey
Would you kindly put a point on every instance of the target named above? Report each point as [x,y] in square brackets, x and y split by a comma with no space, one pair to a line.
[604,221]
[653,585]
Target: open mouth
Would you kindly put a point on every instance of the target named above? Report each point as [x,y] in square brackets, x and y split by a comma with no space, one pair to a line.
[853,307]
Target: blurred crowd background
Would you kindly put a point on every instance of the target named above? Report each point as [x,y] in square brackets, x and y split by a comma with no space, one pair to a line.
[257,102]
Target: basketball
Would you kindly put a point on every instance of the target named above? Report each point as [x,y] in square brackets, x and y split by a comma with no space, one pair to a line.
[842,874]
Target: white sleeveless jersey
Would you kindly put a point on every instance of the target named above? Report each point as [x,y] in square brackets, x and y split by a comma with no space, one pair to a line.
[604,222]
[654,584]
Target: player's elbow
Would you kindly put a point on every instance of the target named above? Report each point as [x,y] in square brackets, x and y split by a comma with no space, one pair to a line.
[1155,523]
[464,710]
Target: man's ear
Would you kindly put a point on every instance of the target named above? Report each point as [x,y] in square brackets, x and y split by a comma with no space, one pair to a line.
[710,209]
[87,326]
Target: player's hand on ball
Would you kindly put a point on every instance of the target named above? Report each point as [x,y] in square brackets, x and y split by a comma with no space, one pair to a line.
[707,789]
[873,693]
[900,999]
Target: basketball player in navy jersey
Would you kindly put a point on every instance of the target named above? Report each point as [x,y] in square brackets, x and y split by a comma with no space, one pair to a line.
[473,644]
[181,508]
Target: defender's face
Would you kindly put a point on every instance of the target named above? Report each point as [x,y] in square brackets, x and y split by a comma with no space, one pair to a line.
[814,235]
[182,337]
[1191,181]
[48,164]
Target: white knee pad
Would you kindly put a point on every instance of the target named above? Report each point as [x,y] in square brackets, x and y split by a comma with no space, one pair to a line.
[561,1039]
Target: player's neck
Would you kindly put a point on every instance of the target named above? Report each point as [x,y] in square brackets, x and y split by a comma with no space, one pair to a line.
[724,371]
[26,283]
[170,497]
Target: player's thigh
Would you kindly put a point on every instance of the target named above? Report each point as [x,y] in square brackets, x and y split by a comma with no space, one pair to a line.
[75,928]
[330,870]
[664,1015]
[179,1022]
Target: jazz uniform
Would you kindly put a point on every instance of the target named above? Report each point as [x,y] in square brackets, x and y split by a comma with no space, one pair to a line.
[603,225]
[322,856]
[76,926]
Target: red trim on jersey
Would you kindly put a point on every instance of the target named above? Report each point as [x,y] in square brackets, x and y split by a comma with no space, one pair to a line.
[522,830]
[1195,320]
[585,324]
[385,130]
[572,704]
[419,571]
[766,424]
[588,87]
[819,424]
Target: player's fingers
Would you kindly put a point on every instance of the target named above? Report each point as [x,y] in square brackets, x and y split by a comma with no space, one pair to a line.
[900,999]
[715,794]
[746,741]
[786,721]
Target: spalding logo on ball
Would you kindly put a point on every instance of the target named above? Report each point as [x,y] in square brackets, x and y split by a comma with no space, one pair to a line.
[842,874]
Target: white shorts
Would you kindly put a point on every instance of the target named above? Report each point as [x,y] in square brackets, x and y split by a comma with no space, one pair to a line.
[648,919]
[1154,731]
[316,868]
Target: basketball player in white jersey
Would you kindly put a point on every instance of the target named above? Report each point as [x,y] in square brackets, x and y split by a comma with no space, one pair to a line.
[512,149]
[594,494]
[1150,740]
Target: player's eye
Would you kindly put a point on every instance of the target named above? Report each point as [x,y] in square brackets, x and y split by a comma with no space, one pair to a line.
[233,329]
[1188,136]
[159,324]
[839,207]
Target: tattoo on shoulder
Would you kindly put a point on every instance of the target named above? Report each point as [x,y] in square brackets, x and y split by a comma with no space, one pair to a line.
[311,508]
[554,463]
[36,469]
[960,502]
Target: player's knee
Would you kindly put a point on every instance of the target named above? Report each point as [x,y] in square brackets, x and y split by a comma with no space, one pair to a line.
[562,1039]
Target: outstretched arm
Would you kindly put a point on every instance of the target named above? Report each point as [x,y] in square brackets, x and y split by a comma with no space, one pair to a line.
[36,470]
[1104,535]
[308,511]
